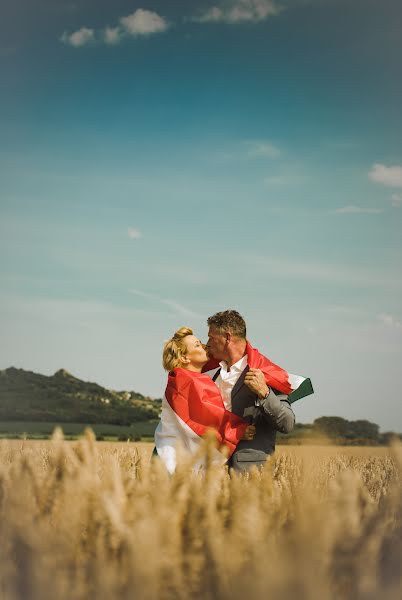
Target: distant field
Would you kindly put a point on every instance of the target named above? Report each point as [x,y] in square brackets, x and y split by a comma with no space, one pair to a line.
[305,452]
[140,431]
[40,429]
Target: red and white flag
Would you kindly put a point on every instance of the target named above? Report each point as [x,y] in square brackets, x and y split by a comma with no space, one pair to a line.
[192,406]
[295,386]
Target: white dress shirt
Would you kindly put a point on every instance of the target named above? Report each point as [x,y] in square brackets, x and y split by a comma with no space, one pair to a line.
[227,379]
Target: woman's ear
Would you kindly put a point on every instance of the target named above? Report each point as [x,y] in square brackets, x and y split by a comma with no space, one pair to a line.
[185,360]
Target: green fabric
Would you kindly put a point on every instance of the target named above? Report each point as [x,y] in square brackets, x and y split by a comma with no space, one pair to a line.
[304,389]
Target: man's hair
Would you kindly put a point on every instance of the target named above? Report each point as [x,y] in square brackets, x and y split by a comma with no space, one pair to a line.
[175,348]
[229,320]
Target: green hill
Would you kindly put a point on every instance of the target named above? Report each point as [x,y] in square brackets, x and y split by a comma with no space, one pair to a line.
[63,398]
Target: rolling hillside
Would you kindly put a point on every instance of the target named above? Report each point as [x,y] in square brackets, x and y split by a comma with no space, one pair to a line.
[28,396]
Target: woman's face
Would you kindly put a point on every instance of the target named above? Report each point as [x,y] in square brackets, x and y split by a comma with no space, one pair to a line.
[196,353]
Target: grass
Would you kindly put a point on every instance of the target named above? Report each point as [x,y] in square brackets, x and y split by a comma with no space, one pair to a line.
[44,430]
[87,520]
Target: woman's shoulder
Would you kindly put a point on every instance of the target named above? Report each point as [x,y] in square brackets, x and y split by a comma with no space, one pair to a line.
[187,377]
[184,374]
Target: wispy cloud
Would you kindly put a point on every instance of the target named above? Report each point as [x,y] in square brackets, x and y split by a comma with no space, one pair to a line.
[144,22]
[134,234]
[390,321]
[286,179]
[389,176]
[78,38]
[249,150]
[177,308]
[345,311]
[240,11]
[327,272]
[261,148]
[396,200]
[112,35]
[352,209]
[55,309]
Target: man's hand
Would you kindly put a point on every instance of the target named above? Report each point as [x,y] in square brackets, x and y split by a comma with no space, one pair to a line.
[249,433]
[255,381]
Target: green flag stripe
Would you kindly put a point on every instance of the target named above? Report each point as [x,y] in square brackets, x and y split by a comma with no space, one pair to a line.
[304,389]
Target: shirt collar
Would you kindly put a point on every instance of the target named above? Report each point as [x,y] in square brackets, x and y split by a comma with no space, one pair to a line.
[240,365]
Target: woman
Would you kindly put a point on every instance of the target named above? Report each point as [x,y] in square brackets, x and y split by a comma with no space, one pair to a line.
[193,405]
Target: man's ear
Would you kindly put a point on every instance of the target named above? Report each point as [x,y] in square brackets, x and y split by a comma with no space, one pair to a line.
[228,337]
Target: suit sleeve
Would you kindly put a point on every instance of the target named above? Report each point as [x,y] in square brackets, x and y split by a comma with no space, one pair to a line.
[276,409]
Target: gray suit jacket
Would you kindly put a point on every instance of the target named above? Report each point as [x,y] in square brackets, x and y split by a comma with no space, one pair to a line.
[269,416]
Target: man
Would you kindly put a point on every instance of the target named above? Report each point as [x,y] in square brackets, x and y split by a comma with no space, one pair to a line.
[244,388]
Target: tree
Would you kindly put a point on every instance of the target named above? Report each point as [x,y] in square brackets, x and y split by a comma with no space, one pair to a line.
[333,427]
[365,429]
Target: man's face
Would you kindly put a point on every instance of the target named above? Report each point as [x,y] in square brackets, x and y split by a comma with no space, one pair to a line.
[217,343]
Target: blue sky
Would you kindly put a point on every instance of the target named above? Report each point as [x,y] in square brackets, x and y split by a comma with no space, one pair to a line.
[162,161]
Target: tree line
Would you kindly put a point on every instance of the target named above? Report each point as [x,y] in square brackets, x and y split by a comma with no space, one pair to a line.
[342,431]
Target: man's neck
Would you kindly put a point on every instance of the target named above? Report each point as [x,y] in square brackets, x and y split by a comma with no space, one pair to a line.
[235,353]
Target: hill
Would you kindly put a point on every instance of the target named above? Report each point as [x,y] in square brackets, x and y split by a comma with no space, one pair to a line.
[34,404]
[28,396]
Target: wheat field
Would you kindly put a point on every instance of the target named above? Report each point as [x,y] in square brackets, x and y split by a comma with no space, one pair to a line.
[89,520]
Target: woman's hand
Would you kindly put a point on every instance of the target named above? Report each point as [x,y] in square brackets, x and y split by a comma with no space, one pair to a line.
[249,433]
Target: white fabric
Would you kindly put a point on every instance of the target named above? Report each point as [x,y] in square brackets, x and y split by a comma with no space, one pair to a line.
[227,383]
[227,379]
[173,434]
[295,380]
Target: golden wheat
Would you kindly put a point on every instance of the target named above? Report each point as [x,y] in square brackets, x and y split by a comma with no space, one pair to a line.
[86,520]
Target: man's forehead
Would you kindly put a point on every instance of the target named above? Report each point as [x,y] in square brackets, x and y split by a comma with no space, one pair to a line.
[213,330]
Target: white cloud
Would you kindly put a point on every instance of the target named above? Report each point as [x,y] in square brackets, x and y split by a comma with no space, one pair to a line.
[144,22]
[396,200]
[140,22]
[78,38]
[240,11]
[112,35]
[134,234]
[390,321]
[264,148]
[389,176]
[352,209]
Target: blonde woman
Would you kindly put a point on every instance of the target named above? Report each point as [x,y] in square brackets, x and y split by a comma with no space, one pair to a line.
[193,404]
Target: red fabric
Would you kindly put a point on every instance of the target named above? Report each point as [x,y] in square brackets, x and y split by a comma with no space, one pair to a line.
[213,363]
[275,376]
[195,398]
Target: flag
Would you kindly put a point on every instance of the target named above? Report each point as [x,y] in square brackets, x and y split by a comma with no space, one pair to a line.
[192,406]
[294,386]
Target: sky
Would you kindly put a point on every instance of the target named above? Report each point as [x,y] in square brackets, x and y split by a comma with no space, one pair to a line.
[161,161]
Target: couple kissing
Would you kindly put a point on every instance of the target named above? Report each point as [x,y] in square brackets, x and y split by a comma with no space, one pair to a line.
[226,386]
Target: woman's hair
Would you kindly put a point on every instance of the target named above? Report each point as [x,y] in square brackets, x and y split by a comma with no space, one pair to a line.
[175,348]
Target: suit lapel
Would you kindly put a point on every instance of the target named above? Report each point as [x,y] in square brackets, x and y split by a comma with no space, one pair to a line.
[237,386]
